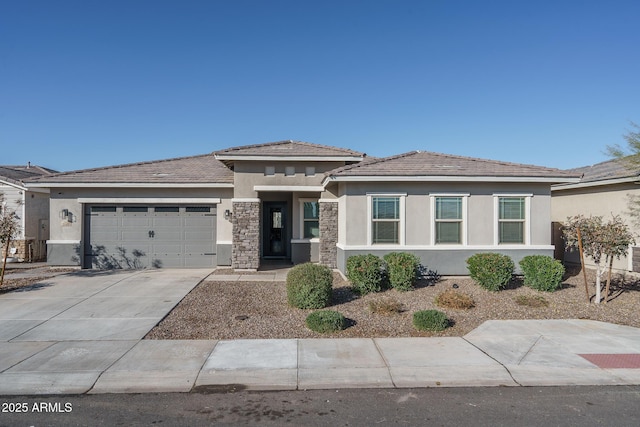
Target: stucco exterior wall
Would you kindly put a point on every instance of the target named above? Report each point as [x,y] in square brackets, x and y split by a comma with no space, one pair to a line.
[251,173]
[602,201]
[481,217]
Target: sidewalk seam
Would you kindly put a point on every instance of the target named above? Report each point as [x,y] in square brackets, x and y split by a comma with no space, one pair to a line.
[386,362]
[493,358]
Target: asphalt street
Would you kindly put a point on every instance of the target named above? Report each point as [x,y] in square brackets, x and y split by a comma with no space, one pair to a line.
[479,406]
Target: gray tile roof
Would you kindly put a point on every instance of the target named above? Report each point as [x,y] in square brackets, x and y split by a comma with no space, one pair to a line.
[424,163]
[203,169]
[610,169]
[288,149]
[17,174]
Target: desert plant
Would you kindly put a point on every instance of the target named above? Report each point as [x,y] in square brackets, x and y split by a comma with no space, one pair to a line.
[454,299]
[309,285]
[366,273]
[535,301]
[492,271]
[402,270]
[542,272]
[430,320]
[326,321]
[386,307]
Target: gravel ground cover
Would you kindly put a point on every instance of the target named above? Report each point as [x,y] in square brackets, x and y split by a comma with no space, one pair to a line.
[237,310]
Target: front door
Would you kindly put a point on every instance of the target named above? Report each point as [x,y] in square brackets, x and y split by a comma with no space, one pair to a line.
[274,230]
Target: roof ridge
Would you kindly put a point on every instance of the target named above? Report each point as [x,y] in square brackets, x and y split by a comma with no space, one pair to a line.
[288,141]
[55,175]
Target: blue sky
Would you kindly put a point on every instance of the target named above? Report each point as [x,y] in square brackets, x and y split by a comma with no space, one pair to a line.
[95,83]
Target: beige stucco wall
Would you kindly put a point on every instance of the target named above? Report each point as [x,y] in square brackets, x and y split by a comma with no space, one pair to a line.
[602,201]
[248,174]
[354,218]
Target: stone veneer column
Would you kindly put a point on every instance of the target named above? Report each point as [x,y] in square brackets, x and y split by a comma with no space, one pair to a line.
[328,233]
[245,222]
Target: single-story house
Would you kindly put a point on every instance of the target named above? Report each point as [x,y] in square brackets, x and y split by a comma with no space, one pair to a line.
[32,208]
[605,189]
[299,202]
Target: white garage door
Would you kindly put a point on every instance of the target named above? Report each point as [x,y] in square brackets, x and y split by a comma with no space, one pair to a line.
[133,236]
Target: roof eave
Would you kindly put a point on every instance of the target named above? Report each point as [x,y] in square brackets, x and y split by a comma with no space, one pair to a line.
[130,185]
[448,178]
[598,183]
[13,183]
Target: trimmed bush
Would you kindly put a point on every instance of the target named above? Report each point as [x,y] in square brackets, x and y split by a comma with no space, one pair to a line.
[542,273]
[309,285]
[492,271]
[430,320]
[326,321]
[402,270]
[454,299]
[366,273]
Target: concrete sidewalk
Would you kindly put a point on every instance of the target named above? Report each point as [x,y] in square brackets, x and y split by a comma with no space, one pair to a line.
[82,333]
[499,353]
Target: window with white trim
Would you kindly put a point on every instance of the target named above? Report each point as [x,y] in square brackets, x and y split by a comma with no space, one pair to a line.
[448,217]
[386,226]
[512,220]
[310,219]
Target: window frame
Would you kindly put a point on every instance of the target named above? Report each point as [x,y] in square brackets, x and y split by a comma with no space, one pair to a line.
[301,203]
[401,218]
[526,221]
[464,229]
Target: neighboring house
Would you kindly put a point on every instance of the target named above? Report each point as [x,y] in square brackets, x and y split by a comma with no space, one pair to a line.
[604,190]
[300,202]
[32,208]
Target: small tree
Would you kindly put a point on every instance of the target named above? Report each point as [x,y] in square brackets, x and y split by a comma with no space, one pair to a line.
[598,239]
[9,229]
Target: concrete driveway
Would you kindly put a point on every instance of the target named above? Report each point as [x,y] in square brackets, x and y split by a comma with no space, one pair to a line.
[94,305]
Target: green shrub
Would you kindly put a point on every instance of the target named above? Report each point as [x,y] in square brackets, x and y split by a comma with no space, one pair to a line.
[542,272]
[366,273]
[326,321]
[309,286]
[490,270]
[402,270]
[430,320]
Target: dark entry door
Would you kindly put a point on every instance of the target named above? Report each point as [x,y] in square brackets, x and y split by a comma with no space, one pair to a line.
[274,230]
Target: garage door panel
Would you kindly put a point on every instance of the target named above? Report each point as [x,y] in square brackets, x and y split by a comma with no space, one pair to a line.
[202,236]
[195,248]
[135,221]
[205,221]
[166,221]
[139,235]
[168,235]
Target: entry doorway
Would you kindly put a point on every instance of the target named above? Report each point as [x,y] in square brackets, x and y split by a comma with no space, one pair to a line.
[274,235]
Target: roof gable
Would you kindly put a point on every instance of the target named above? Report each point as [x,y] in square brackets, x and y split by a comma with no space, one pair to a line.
[425,164]
[293,150]
[203,169]
[18,174]
[610,169]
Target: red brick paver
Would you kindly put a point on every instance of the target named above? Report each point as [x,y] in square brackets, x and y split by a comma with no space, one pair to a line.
[614,361]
